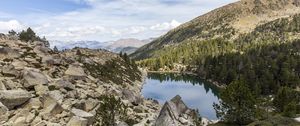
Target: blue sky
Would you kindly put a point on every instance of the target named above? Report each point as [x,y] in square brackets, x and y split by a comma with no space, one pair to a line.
[101,20]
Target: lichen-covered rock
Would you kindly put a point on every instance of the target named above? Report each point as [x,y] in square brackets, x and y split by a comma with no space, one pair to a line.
[13,98]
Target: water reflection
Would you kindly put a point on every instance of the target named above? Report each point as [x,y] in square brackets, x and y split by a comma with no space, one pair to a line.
[196,93]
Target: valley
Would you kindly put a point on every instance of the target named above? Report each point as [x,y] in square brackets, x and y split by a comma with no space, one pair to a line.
[251,46]
[236,65]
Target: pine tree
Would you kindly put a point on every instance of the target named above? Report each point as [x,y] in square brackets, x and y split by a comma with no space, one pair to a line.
[237,105]
[12,32]
[55,49]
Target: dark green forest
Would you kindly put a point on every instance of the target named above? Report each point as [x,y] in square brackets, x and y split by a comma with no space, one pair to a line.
[254,66]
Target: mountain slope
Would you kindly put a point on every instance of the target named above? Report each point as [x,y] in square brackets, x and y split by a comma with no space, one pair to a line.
[39,86]
[227,22]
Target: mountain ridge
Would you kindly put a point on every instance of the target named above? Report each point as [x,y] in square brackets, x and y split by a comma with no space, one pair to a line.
[228,22]
[114,46]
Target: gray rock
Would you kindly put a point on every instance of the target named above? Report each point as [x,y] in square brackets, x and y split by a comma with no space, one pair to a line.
[2,86]
[172,112]
[51,60]
[75,72]
[10,85]
[90,104]
[122,124]
[9,70]
[83,114]
[63,84]
[138,109]
[57,95]
[296,3]
[33,103]
[77,121]
[3,113]
[41,50]
[53,109]
[13,98]
[130,96]
[32,77]
[41,89]
[6,52]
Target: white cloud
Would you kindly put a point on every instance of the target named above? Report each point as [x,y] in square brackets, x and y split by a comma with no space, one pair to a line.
[165,26]
[11,24]
[114,19]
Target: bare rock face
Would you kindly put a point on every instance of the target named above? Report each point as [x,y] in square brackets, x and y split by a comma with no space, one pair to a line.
[175,113]
[13,98]
[33,77]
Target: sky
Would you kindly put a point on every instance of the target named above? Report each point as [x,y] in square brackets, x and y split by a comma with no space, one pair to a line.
[101,20]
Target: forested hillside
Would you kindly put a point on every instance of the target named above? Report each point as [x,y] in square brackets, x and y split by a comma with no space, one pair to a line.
[260,66]
[194,52]
[227,22]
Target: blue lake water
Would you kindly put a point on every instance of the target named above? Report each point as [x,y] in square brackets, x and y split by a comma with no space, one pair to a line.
[196,93]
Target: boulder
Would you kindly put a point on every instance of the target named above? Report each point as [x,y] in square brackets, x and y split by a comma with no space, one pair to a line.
[51,60]
[122,124]
[34,103]
[41,89]
[63,84]
[6,52]
[57,95]
[130,96]
[20,121]
[83,114]
[90,104]
[47,100]
[13,98]
[41,50]
[9,70]
[3,112]
[173,113]
[2,86]
[10,85]
[75,72]
[77,121]
[53,110]
[19,65]
[296,3]
[32,77]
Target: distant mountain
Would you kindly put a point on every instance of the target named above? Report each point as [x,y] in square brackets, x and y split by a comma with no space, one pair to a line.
[84,44]
[227,22]
[125,45]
